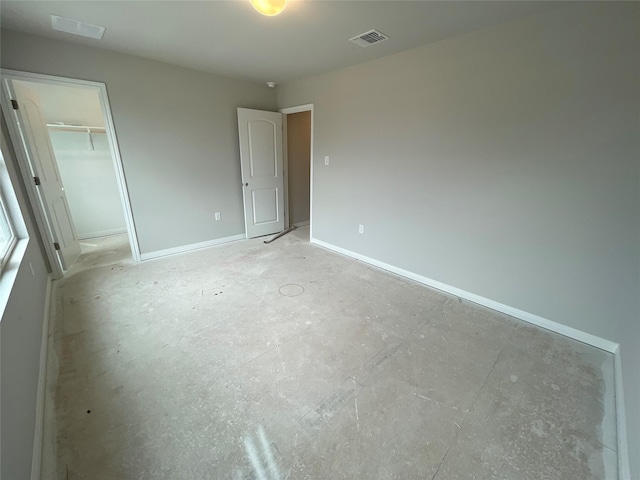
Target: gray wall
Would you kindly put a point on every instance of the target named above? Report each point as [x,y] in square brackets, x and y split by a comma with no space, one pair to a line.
[298,158]
[504,162]
[89,182]
[177,130]
[20,343]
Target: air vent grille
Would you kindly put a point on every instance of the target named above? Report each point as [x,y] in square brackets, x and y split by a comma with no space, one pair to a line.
[75,27]
[369,38]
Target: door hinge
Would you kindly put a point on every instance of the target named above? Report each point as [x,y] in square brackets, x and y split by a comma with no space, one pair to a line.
[56,245]
[14,104]
[36,180]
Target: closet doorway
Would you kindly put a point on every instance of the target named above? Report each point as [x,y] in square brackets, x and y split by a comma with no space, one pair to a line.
[79,131]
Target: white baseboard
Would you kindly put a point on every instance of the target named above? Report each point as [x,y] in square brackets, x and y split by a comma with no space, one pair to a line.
[573,333]
[101,233]
[301,224]
[193,246]
[570,332]
[36,459]
[624,469]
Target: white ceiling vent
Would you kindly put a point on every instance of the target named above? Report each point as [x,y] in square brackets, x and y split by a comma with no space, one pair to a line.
[75,27]
[369,38]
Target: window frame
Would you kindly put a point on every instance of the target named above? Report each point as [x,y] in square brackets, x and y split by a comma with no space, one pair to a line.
[7,213]
[5,254]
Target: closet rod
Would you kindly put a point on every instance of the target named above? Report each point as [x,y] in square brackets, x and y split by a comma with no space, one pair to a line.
[82,128]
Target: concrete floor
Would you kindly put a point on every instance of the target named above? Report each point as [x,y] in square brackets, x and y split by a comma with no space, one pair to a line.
[286,361]
[98,252]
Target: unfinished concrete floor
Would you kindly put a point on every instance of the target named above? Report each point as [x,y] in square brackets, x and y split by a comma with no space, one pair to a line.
[286,361]
[98,252]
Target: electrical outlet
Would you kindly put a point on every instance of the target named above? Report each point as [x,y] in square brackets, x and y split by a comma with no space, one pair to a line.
[326,160]
[361,229]
[218,217]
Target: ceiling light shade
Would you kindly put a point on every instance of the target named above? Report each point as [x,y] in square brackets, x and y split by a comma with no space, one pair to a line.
[269,8]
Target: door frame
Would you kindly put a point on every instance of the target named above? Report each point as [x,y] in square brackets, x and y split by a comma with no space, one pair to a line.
[286,111]
[23,162]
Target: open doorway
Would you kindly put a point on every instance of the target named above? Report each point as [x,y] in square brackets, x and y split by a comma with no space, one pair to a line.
[72,128]
[75,123]
[299,164]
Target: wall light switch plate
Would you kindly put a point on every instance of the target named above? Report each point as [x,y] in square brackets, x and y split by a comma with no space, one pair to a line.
[218,216]
[326,160]
[360,228]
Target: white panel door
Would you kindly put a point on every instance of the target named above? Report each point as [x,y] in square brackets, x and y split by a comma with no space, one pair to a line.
[262,171]
[37,144]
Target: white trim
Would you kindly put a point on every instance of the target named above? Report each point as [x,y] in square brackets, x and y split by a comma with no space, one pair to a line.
[10,272]
[36,459]
[102,233]
[285,168]
[121,179]
[193,246]
[5,254]
[624,472]
[308,107]
[113,147]
[589,339]
[304,108]
[301,224]
[311,175]
[624,469]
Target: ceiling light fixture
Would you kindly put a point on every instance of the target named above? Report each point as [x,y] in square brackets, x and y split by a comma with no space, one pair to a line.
[271,84]
[270,8]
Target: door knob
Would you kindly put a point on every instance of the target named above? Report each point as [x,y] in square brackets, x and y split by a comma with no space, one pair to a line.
[246,184]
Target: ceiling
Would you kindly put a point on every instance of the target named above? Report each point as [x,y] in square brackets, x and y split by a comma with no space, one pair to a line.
[230,38]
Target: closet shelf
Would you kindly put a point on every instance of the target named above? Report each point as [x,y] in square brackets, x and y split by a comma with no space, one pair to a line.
[76,128]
